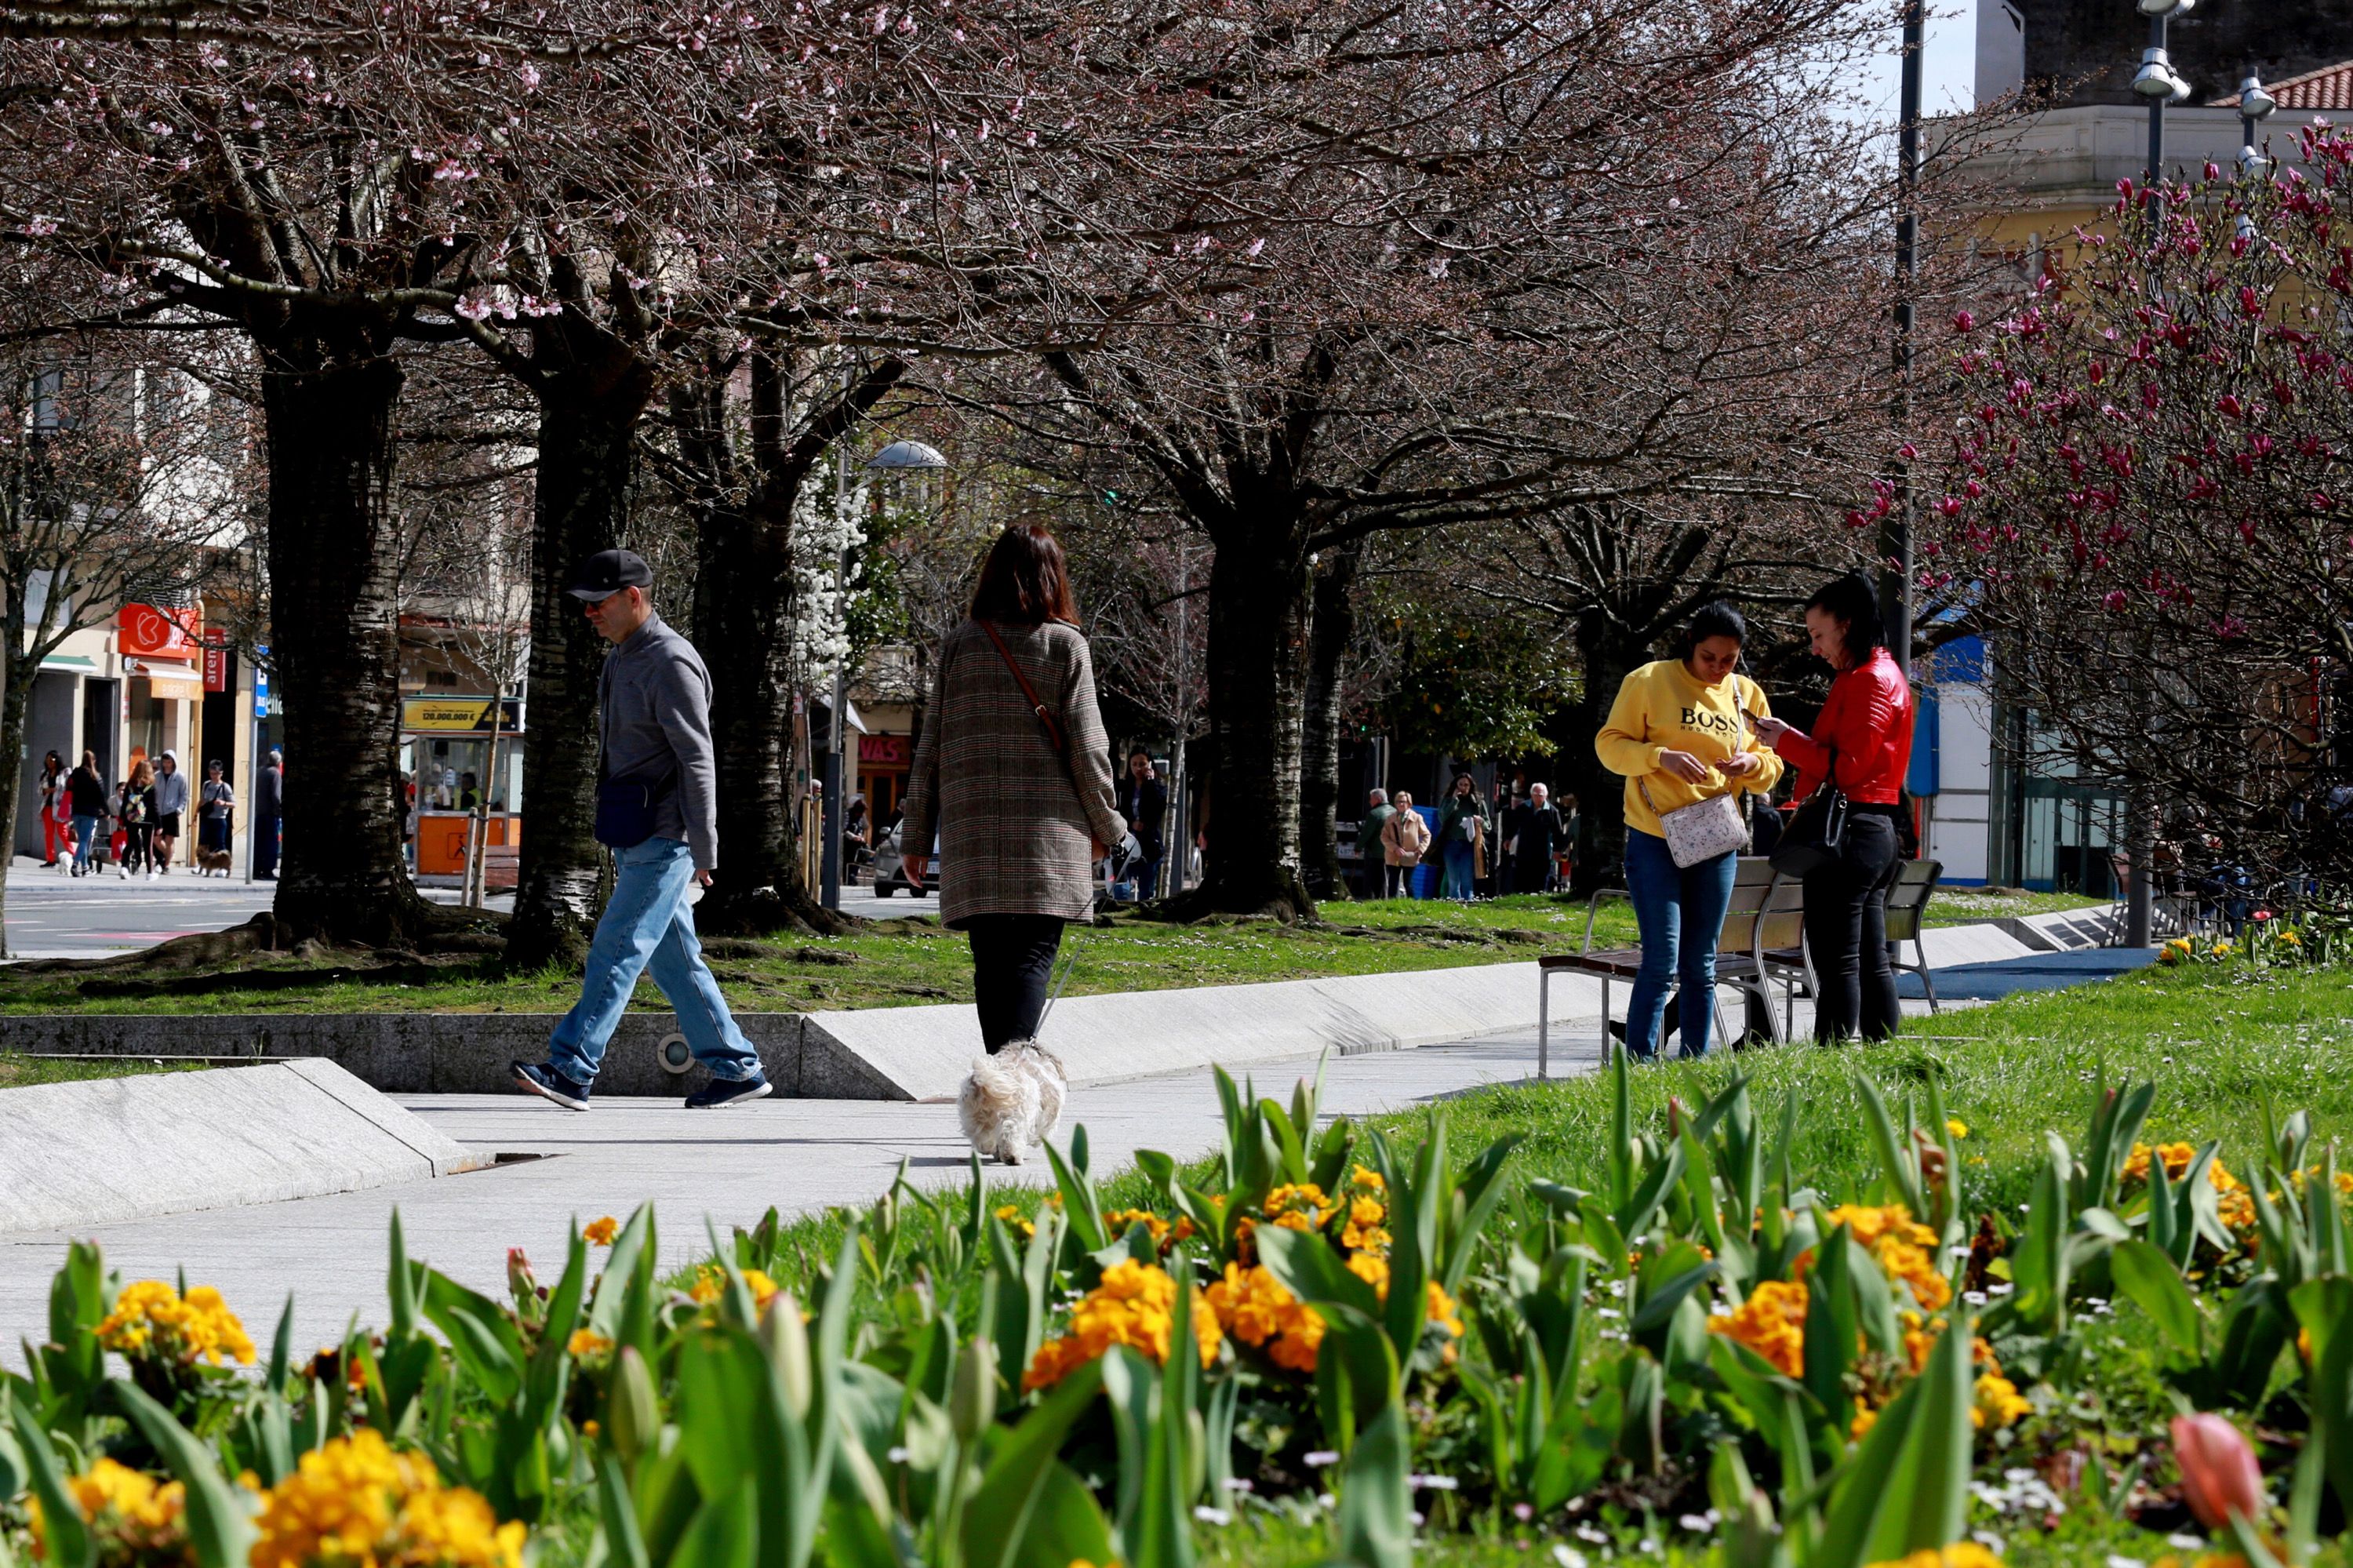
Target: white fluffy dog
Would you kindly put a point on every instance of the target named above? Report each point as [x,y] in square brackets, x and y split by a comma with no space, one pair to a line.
[1013,1100]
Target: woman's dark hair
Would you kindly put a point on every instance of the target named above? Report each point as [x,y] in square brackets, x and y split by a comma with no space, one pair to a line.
[1717,619]
[1852,600]
[1024,581]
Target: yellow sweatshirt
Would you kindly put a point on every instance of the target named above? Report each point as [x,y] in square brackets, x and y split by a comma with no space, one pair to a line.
[1663,707]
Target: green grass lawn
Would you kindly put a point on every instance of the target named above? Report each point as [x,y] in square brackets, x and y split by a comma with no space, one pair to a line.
[907,962]
[18,1071]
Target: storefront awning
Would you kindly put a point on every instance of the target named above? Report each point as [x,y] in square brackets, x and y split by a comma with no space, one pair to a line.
[70,664]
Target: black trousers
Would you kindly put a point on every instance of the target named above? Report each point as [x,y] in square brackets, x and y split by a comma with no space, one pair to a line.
[1846,931]
[1012,955]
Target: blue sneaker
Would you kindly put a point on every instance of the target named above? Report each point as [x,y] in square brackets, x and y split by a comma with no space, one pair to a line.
[542,1079]
[720,1093]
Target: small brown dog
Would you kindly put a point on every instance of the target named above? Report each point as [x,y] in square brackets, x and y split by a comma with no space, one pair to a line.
[209,860]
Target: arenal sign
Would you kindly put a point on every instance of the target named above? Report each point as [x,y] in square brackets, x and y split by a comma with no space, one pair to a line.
[460,715]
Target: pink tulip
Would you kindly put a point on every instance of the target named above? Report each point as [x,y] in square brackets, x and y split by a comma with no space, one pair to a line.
[2219,1474]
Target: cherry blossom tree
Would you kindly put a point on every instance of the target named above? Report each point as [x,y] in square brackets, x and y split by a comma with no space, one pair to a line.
[2144,502]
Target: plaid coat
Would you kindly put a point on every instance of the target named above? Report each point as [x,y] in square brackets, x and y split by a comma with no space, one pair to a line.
[1016,827]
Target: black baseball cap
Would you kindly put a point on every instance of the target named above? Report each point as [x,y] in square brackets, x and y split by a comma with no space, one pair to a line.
[606,573]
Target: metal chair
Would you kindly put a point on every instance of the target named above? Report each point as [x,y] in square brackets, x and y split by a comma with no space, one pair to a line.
[1738,961]
[1907,907]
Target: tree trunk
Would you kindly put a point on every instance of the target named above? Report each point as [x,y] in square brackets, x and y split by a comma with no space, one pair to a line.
[1259,593]
[587,428]
[330,420]
[15,697]
[1607,653]
[1333,628]
[743,614]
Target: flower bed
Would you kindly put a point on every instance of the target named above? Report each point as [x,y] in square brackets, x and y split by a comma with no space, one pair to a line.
[1365,1349]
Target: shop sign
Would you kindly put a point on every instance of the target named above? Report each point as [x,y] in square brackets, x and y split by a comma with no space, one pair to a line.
[142,631]
[261,683]
[884,750]
[215,661]
[460,715]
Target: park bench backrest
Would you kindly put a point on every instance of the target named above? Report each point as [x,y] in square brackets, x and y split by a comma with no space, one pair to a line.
[1781,926]
[1752,881]
[1907,901]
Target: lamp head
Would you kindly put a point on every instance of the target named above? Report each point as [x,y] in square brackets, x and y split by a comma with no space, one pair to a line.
[2155,78]
[907,454]
[2164,8]
[2255,103]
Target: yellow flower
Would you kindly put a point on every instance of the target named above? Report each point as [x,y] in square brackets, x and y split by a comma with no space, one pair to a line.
[1135,1306]
[355,1500]
[711,1284]
[1959,1554]
[1904,1248]
[1957,1126]
[152,1319]
[1366,1176]
[1998,1402]
[1119,1222]
[1252,1306]
[1013,1220]
[142,1519]
[601,1232]
[588,1344]
[1300,1208]
[1772,1322]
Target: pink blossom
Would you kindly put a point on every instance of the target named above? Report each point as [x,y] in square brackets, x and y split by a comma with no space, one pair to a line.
[1964,321]
[2115,601]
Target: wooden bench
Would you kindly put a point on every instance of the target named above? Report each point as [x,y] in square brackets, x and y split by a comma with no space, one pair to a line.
[1762,946]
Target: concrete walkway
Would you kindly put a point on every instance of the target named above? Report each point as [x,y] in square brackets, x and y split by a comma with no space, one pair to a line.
[799,1155]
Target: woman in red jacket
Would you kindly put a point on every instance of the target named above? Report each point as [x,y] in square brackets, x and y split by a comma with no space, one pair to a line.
[1863,739]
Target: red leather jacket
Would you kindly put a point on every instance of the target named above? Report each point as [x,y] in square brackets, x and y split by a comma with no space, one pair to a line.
[1867,722]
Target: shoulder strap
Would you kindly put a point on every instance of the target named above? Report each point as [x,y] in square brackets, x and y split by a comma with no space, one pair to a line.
[1046,720]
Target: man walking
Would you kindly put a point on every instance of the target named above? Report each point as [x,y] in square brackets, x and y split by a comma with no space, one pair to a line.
[1143,801]
[657,809]
[268,800]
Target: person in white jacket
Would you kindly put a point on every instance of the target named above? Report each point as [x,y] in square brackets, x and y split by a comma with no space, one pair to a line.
[170,807]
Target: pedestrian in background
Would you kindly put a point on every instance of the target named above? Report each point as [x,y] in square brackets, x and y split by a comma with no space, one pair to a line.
[268,804]
[1405,839]
[1680,731]
[216,810]
[86,792]
[1537,832]
[1862,741]
[1143,801]
[1372,869]
[56,813]
[657,810]
[134,808]
[170,807]
[1462,825]
[1013,774]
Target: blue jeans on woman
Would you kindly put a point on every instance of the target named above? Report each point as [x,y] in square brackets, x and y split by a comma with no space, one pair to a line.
[85,841]
[1680,911]
[1456,880]
[647,925]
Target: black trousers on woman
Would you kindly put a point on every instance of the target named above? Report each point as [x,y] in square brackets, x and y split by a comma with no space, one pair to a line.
[1012,955]
[1846,930]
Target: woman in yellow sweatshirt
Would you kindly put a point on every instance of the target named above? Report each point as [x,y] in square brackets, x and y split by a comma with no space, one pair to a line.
[1681,731]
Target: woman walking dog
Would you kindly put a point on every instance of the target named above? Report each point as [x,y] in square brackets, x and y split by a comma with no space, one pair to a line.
[1013,772]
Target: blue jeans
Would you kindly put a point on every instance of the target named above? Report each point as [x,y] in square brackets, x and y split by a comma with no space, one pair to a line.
[1456,881]
[1680,910]
[85,839]
[650,926]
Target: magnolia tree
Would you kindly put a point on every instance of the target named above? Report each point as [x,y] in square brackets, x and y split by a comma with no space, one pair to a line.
[2145,504]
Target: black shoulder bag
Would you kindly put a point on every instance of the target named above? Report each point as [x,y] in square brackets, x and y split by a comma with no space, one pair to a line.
[1817,829]
[625,807]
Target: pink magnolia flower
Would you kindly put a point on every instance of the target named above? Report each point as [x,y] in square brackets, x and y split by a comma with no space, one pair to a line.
[2115,601]
[2220,1477]
[1964,321]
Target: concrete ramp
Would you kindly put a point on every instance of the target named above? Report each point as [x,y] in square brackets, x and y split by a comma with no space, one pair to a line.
[81,1154]
[924,1053]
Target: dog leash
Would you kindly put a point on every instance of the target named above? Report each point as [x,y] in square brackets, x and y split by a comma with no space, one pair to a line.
[1069,962]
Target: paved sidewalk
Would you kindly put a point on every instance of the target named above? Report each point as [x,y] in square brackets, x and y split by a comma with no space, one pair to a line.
[800,1155]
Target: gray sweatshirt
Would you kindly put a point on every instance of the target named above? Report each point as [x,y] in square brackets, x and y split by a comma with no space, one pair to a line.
[654,715]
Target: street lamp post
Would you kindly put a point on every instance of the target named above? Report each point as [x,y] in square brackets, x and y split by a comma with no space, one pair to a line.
[2255,106]
[2158,82]
[899,456]
[1895,586]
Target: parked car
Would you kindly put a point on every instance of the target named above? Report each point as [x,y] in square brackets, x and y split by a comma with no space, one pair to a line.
[891,869]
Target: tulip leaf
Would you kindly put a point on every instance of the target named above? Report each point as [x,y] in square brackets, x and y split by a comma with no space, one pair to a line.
[2148,1279]
[218,1527]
